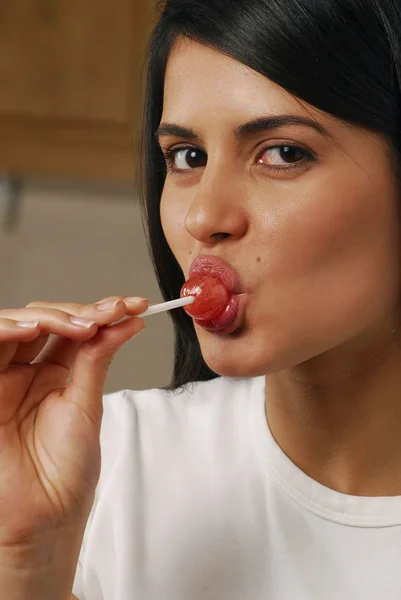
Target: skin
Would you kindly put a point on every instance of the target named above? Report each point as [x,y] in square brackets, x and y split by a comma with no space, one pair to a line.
[317,248]
[53,365]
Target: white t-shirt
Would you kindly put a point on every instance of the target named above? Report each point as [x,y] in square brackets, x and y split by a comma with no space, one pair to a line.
[196,501]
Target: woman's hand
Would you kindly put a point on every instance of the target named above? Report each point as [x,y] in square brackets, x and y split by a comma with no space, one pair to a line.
[52,375]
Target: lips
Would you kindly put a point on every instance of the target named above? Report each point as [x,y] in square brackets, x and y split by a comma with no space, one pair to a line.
[218,268]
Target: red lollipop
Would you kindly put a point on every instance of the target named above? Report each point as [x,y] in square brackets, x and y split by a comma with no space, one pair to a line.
[211,297]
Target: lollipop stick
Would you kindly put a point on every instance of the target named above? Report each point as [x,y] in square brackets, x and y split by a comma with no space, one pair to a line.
[159,308]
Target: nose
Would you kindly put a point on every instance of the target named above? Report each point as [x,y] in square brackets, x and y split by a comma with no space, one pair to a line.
[218,209]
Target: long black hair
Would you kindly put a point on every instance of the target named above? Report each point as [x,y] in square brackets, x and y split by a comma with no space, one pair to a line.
[341,56]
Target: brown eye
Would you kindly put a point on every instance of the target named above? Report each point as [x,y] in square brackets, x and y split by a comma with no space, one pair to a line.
[291,154]
[283,155]
[184,159]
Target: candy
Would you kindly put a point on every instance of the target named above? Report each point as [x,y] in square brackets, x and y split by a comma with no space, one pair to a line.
[211,297]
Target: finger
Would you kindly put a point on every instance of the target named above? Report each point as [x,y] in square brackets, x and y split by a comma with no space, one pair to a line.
[135,305]
[27,351]
[58,355]
[101,314]
[130,301]
[62,350]
[77,307]
[54,321]
[58,350]
[12,333]
[46,322]
[102,311]
[91,364]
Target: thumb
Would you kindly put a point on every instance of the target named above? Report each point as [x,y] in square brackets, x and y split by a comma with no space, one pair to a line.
[91,364]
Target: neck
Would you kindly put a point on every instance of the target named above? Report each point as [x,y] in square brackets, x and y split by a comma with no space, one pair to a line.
[338,417]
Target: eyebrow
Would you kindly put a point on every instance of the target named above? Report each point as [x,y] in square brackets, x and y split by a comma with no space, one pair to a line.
[245,130]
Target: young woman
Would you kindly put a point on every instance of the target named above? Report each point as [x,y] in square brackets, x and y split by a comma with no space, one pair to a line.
[271,466]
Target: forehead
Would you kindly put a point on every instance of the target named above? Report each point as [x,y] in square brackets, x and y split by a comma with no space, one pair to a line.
[203,80]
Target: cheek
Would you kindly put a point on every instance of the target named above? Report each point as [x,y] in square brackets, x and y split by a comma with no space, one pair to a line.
[332,261]
[334,226]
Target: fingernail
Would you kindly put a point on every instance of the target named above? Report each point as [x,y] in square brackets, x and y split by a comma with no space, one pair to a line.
[107,305]
[81,322]
[27,324]
[134,299]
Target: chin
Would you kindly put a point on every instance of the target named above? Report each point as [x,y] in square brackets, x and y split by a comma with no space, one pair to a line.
[234,370]
[246,354]
[235,360]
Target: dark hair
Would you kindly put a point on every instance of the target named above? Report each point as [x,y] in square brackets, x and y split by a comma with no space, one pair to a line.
[341,56]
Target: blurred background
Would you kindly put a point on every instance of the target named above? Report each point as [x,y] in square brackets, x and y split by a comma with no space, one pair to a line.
[71,81]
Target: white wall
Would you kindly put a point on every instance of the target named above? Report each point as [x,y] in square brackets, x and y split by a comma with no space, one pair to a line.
[80,245]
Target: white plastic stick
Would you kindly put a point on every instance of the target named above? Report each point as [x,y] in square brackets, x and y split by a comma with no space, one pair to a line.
[159,308]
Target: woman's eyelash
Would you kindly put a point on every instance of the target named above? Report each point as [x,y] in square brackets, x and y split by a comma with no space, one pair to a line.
[170,156]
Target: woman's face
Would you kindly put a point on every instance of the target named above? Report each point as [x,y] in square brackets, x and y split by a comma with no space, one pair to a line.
[306,216]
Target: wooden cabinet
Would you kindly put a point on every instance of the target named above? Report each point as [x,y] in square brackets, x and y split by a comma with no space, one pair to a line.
[71,82]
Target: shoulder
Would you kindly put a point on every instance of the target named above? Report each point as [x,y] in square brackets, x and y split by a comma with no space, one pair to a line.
[135,406]
[143,418]
[149,438]
[153,401]
[154,442]
[156,401]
